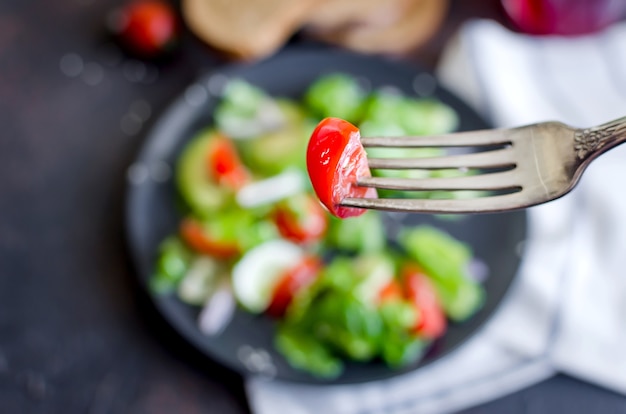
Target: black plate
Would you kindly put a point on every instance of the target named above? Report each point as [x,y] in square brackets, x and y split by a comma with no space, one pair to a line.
[152,211]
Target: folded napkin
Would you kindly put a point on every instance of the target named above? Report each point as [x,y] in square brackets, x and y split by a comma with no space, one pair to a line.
[565,311]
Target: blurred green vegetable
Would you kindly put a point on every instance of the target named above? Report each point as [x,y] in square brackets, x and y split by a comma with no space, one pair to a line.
[171,265]
[334,313]
[402,349]
[360,234]
[445,260]
[426,117]
[273,151]
[388,113]
[305,352]
[241,226]
[398,316]
[336,95]
[246,111]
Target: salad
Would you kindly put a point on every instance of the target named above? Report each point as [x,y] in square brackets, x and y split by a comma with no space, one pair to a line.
[253,235]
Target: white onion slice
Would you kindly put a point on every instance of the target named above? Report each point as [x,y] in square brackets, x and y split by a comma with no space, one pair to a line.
[218,310]
[255,276]
[271,190]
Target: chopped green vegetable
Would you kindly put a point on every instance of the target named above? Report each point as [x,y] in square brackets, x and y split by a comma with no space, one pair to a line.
[171,265]
[274,151]
[445,260]
[304,351]
[247,111]
[336,95]
[439,254]
[360,234]
[461,300]
[398,316]
[241,226]
[402,349]
[388,113]
[427,117]
[373,272]
[347,323]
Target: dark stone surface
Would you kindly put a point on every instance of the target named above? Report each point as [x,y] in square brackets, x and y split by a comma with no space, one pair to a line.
[76,334]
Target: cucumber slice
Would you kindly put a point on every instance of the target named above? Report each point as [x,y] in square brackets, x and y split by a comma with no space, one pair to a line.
[195,183]
[255,276]
[271,153]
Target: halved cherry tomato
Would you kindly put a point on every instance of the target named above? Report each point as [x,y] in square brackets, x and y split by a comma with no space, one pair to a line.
[197,238]
[335,159]
[147,27]
[294,280]
[419,289]
[301,219]
[224,164]
[391,291]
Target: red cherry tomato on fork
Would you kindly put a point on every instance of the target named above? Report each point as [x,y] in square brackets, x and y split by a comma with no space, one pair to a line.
[335,159]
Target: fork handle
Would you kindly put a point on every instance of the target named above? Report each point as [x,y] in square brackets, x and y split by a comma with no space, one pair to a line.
[592,142]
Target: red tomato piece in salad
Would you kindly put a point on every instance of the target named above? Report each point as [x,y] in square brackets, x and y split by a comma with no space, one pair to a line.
[335,160]
[390,292]
[420,291]
[194,235]
[147,27]
[301,219]
[224,164]
[293,281]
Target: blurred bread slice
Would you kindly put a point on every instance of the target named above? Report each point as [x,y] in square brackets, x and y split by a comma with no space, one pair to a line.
[246,28]
[371,26]
[333,15]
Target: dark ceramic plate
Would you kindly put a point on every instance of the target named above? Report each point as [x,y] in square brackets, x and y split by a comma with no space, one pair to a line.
[152,211]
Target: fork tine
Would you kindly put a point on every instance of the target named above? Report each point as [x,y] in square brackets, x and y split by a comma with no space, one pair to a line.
[487,159]
[489,204]
[491,181]
[459,139]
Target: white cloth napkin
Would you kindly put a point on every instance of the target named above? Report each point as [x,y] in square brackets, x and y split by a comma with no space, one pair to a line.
[567,309]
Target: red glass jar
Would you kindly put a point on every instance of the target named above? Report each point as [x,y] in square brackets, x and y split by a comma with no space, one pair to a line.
[563,17]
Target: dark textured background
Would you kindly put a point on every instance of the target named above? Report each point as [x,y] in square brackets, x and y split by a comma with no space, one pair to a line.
[76,334]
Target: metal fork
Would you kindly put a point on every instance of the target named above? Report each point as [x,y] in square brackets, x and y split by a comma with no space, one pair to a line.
[522,166]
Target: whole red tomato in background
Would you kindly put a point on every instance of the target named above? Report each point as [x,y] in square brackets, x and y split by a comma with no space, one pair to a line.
[147,28]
